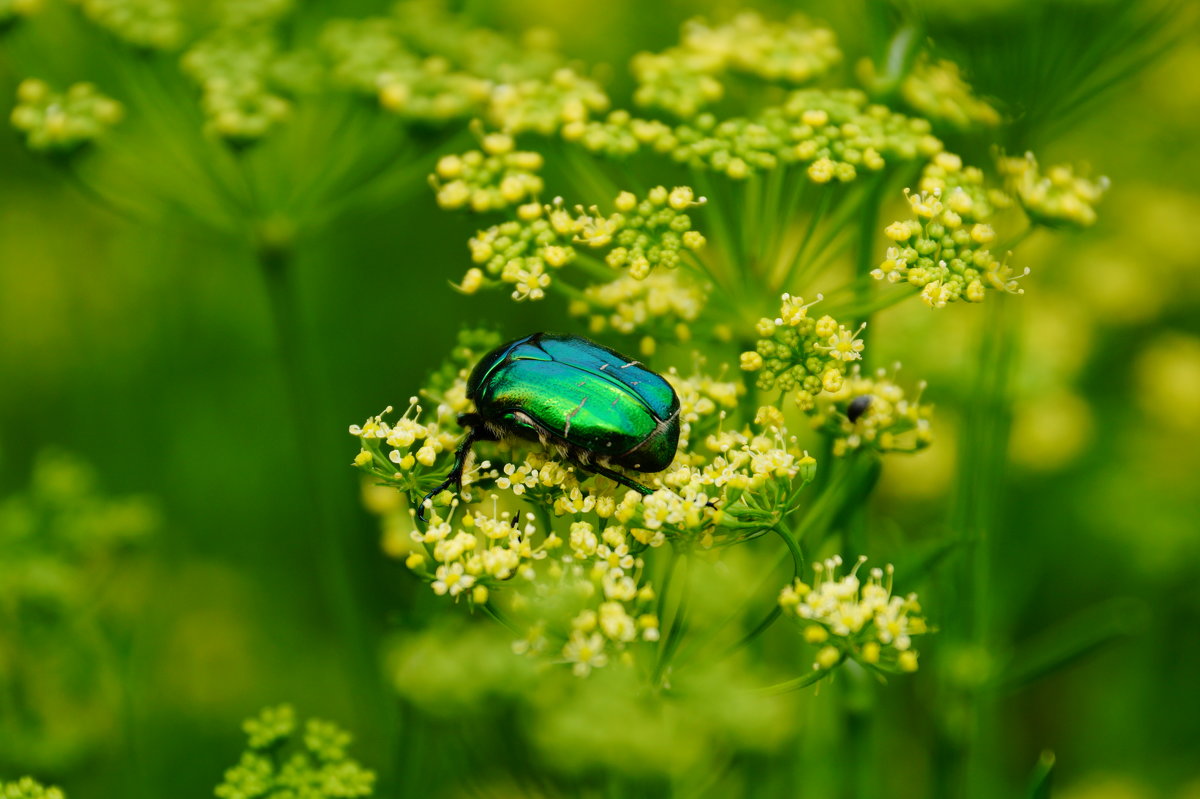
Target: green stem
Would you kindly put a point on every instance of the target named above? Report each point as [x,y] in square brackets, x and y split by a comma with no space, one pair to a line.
[749,229]
[327,535]
[965,758]
[803,681]
[793,547]
[856,309]
[789,270]
[493,612]
[826,508]
[588,178]
[865,257]
[714,212]
[775,219]
[678,623]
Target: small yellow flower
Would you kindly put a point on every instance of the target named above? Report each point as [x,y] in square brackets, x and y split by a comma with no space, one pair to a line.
[751,361]
[815,634]
[828,657]
[426,455]
[821,170]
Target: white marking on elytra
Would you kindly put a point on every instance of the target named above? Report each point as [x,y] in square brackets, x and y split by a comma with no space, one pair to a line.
[604,366]
[572,415]
[631,363]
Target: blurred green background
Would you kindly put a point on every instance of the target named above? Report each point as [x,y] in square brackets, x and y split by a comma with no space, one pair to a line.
[147,351]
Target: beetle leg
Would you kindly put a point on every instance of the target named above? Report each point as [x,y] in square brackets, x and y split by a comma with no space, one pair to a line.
[596,468]
[455,476]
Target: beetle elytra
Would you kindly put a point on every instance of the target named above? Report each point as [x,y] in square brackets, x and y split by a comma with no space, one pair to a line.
[596,407]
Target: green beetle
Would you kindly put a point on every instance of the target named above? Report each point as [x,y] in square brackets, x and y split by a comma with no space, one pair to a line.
[596,407]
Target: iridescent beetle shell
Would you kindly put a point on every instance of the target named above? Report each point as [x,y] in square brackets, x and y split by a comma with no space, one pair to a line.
[575,393]
[595,406]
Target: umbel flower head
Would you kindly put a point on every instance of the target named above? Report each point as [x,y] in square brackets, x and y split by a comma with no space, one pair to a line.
[873,411]
[29,788]
[943,248]
[496,177]
[573,563]
[1056,197]
[62,122]
[796,352]
[143,24]
[686,78]
[638,236]
[936,90]
[563,553]
[849,618]
[233,66]
[285,759]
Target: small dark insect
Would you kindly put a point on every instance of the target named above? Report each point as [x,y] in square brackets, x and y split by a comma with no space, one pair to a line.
[596,407]
[857,407]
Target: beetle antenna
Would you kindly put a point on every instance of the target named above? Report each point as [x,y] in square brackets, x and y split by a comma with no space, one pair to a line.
[455,476]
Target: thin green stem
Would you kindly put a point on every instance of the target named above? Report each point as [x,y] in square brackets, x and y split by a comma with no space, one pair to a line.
[827,506]
[494,613]
[750,227]
[803,681]
[865,257]
[965,759]
[789,268]
[326,534]
[798,559]
[774,222]
[720,228]
[678,620]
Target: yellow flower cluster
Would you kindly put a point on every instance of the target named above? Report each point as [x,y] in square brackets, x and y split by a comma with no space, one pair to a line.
[834,133]
[686,78]
[946,175]
[588,576]
[936,90]
[851,619]
[564,100]
[495,177]
[232,65]
[284,759]
[557,551]
[418,454]
[600,585]
[618,135]
[639,236]
[62,122]
[797,352]
[29,788]
[1056,197]
[703,403]
[427,65]
[479,552]
[942,250]
[663,303]
[145,24]
[873,411]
